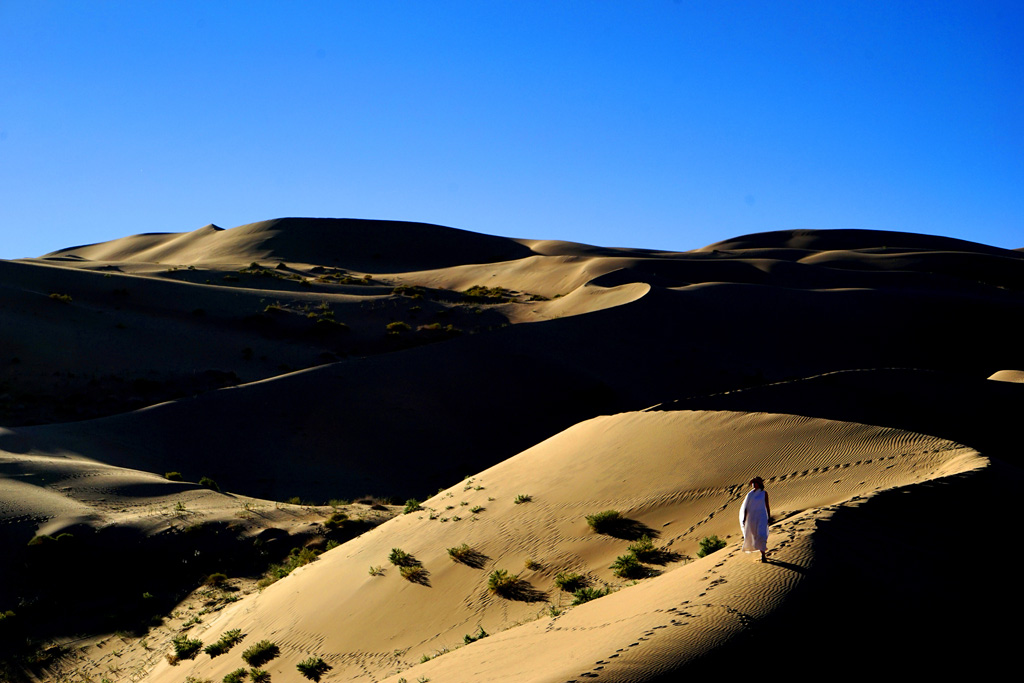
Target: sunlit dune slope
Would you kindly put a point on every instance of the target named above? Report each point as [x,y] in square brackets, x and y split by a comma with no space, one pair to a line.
[677,475]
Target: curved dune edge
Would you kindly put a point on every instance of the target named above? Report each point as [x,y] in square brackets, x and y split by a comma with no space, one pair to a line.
[679,473]
[1016,376]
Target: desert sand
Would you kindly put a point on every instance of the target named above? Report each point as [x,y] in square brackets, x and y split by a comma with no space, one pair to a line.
[512,387]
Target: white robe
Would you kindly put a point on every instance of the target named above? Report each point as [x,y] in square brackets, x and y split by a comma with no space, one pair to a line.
[754,521]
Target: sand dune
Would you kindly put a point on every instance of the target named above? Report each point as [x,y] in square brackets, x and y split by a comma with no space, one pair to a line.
[871,377]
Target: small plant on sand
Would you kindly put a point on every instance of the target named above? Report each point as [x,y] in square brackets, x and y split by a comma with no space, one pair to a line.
[260,653]
[236,676]
[260,676]
[173,476]
[376,571]
[710,544]
[400,558]
[397,328]
[628,567]
[523,498]
[472,638]
[570,582]
[210,484]
[227,641]
[414,573]
[532,564]
[298,557]
[313,668]
[603,522]
[587,594]
[186,648]
[412,505]
[460,553]
[61,298]
[476,509]
[644,549]
[216,579]
[500,582]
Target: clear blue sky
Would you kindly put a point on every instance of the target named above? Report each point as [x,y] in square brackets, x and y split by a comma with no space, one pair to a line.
[642,123]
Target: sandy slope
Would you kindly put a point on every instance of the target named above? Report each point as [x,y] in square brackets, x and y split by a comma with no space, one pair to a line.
[196,361]
[679,473]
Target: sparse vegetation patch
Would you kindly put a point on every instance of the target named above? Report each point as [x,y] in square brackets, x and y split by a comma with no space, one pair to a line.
[260,653]
[710,544]
[313,668]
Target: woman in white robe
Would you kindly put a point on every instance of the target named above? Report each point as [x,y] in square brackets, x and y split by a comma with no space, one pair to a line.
[755,512]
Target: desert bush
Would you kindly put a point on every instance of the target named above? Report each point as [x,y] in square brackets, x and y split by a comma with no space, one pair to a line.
[260,653]
[313,668]
[522,498]
[603,522]
[173,476]
[412,505]
[460,553]
[477,509]
[482,294]
[298,557]
[472,638]
[61,298]
[236,676]
[414,573]
[570,582]
[710,544]
[336,520]
[260,676]
[216,579]
[644,549]
[400,558]
[209,483]
[532,564]
[227,641]
[585,594]
[628,567]
[397,327]
[186,648]
[376,571]
[502,583]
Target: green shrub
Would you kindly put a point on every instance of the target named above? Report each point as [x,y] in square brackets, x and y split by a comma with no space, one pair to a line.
[490,295]
[477,509]
[260,653]
[603,522]
[336,520]
[216,579]
[583,595]
[532,564]
[644,549]
[502,583]
[400,558]
[62,298]
[414,573]
[412,505]
[186,648]
[628,567]
[570,582]
[260,676]
[227,641]
[523,498]
[467,639]
[398,327]
[298,557]
[376,571]
[710,544]
[173,476]
[313,668]
[209,483]
[236,676]
[460,553]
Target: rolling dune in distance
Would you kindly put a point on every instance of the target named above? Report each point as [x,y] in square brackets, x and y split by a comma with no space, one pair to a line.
[322,372]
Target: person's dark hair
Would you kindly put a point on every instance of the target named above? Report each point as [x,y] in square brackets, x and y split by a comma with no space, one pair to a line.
[758,482]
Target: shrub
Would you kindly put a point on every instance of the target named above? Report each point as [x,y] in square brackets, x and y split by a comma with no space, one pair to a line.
[587,594]
[412,505]
[710,544]
[523,498]
[603,522]
[476,509]
[376,571]
[460,553]
[336,520]
[414,573]
[173,476]
[467,639]
[400,558]
[209,483]
[502,583]
[570,582]
[227,641]
[62,298]
[628,567]
[236,676]
[532,564]
[644,549]
[186,648]
[398,327]
[260,653]
[260,676]
[216,579]
[313,668]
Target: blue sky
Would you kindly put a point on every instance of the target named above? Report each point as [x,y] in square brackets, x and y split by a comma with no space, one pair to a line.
[640,123]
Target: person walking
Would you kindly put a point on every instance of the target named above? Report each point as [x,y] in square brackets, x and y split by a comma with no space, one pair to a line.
[755,513]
